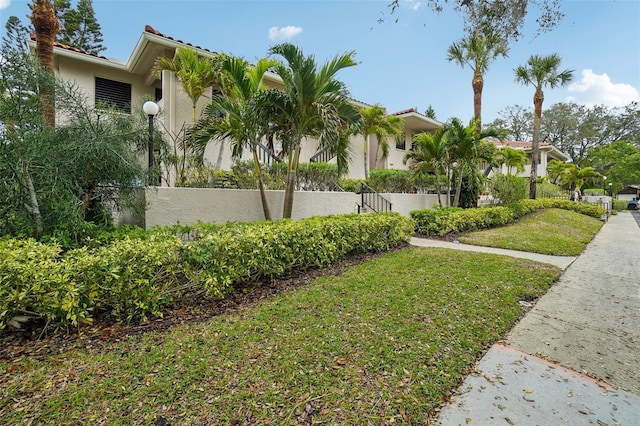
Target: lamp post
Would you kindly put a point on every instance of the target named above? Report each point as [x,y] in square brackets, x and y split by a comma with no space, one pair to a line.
[151,109]
[610,190]
[604,183]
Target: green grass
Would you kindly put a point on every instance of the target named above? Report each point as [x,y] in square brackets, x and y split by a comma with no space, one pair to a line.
[385,342]
[551,231]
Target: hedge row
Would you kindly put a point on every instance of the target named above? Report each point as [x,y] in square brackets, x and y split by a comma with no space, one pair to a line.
[452,220]
[132,278]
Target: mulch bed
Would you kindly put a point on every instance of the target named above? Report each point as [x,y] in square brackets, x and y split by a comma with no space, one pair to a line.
[37,342]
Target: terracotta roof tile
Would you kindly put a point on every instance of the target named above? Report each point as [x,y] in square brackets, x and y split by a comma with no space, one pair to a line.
[71,48]
[151,30]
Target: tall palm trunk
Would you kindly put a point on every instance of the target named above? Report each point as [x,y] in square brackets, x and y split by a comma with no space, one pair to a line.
[477,84]
[263,195]
[438,188]
[46,27]
[291,183]
[366,157]
[538,99]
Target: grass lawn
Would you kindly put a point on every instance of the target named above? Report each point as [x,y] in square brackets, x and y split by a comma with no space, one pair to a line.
[385,342]
[551,231]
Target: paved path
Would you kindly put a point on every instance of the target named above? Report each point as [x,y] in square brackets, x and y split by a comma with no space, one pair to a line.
[588,324]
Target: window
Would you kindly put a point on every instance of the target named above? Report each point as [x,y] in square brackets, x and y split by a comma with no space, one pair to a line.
[113,94]
[401,142]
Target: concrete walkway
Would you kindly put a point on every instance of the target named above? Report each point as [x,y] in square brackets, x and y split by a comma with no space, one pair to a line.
[574,358]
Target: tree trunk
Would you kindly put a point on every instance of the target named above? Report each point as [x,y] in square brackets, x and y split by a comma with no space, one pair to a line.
[456,198]
[538,98]
[34,207]
[366,157]
[263,195]
[438,188]
[46,27]
[290,188]
[220,154]
[477,84]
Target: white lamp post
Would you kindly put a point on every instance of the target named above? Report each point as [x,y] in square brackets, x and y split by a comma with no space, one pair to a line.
[151,109]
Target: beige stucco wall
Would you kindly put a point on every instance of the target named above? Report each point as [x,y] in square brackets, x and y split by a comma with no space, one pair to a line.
[168,206]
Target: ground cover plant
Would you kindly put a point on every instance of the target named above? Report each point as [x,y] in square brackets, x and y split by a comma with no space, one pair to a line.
[385,342]
[550,231]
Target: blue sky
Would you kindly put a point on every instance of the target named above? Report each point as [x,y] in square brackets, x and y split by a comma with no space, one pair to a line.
[401,64]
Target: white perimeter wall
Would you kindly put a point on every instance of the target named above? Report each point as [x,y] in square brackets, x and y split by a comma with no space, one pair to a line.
[168,206]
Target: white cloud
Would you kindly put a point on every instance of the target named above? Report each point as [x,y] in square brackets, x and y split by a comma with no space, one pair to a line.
[283,33]
[598,89]
[5,4]
[413,5]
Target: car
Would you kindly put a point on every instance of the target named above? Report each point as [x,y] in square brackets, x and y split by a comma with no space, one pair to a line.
[633,205]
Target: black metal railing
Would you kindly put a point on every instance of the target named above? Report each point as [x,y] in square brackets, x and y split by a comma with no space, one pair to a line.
[323,156]
[371,200]
[266,155]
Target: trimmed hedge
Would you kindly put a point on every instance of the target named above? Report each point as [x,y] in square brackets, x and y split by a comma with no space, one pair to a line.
[132,278]
[452,220]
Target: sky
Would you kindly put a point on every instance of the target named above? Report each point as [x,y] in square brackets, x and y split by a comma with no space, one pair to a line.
[402,56]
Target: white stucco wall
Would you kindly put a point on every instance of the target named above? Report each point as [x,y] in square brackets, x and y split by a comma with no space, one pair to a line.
[168,206]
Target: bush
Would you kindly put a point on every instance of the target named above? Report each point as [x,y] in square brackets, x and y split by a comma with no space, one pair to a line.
[135,274]
[452,220]
[390,180]
[509,189]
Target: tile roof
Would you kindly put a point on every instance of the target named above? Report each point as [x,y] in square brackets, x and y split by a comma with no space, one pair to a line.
[71,48]
[149,29]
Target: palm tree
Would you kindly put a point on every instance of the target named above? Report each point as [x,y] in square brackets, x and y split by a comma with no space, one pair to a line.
[240,122]
[376,121]
[46,27]
[555,170]
[466,147]
[573,175]
[312,104]
[477,51]
[196,74]
[430,155]
[540,71]
[512,158]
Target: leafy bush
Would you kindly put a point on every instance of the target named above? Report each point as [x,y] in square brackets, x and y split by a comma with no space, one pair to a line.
[509,189]
[390,180]
[135,274]
[351,185]
[451,220]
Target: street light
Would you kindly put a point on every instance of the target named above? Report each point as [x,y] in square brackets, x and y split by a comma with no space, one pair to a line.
[151,109]
[604,183]
[610,190]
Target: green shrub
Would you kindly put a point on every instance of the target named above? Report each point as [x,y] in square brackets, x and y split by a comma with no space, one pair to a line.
[452,220]
[134,274]
[509,189]
[390,180]
[619,205]
[351,185]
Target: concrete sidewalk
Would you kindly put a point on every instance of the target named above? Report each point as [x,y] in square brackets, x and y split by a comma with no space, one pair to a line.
[575,356]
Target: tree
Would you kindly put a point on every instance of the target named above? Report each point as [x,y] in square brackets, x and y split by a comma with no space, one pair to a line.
[376,121]
[236,116]
[196,74]
[477,51]
[505,17]
[57,179]
[430,112]
[312,104]
[431,155]
[576,176]
[79,27]
[15,35]
[540,72]
[619,161]
[466,147]
[517,123]
[46,27]
[512,158]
